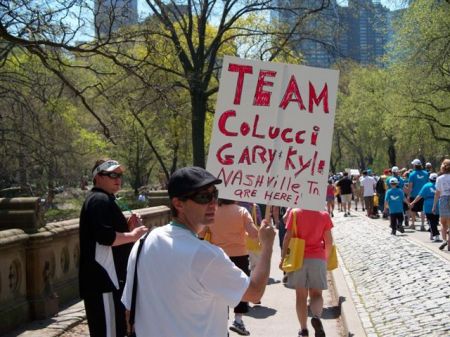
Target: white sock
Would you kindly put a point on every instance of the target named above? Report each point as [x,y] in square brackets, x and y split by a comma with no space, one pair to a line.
[238,318]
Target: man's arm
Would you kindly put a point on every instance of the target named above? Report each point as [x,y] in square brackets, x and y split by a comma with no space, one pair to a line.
[128,237]
[260,275]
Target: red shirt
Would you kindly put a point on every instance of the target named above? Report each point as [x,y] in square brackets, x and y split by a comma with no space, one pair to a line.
[311,227]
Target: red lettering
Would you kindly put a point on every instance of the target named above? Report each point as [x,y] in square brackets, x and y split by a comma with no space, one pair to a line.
[255,127]
[227,159]
[284,135]
[242,70]
[245,157]
[292,94]
[223,121]
[262,98]
[313,99]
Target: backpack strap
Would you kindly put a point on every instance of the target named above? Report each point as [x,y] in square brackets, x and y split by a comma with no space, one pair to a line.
[135,281]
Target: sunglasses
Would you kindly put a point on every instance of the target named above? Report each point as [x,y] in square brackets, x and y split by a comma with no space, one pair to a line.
[203,197]
[112,175]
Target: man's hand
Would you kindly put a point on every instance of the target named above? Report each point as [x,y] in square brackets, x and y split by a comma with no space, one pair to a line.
[138,232]
[266,234]
[133,221]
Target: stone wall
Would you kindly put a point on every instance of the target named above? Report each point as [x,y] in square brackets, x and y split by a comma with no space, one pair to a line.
[39,271]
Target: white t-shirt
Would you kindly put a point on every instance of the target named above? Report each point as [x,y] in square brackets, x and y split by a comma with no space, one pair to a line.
[443,184]
[368,183]
[185,286]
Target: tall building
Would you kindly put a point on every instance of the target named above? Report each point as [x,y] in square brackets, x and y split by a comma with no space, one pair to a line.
[111,15]
[316,36]
[366,27]
[358,31]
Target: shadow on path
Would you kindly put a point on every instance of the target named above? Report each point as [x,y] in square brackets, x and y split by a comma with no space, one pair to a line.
[261,312]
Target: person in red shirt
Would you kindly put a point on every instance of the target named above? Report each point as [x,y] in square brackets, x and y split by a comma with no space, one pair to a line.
[315,228]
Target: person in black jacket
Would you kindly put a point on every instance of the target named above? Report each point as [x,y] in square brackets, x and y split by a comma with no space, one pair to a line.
[106,239]
[380,188]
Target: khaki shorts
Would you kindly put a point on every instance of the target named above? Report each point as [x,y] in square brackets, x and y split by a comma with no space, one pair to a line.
[313,274]
[346,197]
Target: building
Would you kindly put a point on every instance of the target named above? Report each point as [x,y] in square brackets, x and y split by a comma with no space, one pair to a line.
[110,15]
[359,31]
[365,28]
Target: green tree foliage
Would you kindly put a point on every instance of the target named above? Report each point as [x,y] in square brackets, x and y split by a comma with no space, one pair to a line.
[388,116]
[43,134]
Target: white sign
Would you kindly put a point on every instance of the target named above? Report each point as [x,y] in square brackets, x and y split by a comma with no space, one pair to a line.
[273,132]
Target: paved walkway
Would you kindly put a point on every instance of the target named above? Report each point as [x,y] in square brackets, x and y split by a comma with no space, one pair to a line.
[386,286]
[400,284]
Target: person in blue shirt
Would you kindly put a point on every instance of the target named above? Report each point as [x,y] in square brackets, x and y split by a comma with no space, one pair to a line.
[417,178]
[401,185]
[393,202]
[427,194]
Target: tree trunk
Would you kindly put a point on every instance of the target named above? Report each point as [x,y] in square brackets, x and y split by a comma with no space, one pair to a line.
[199,104]
[392,153]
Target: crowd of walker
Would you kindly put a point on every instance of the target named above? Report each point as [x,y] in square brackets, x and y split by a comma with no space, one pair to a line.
[401,195]
[180,279]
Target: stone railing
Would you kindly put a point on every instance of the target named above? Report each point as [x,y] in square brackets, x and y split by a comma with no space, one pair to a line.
[39,264]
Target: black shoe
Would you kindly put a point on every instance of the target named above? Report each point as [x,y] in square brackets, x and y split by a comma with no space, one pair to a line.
[401,229]
[317,325]
[441,247]
[303,332]
[422,228]
[239,328]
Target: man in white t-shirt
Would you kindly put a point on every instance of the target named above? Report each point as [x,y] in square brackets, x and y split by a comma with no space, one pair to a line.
[368,184]
[185,285]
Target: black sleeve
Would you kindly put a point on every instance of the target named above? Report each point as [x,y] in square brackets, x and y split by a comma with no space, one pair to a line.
[102,221]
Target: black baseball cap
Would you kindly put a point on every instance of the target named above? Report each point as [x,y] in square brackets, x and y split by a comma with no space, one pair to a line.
[189,179]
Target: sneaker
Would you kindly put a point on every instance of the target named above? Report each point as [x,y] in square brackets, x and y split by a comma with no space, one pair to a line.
[393,233]
[317,325]
[437,238]
[441,247]
[239,328]
[345,214]
[348,213]
[401,229]
[303,332]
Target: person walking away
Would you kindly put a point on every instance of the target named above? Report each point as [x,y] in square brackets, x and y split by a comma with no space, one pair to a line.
[394,199]
[380,188]
[331,190]
[231,225]
[255,212]
[358,197]
[443,196]
[427,194]
[417,178]
[185,285]
[311,279]
[368,184]
[278,215]
[105,243]
[345,185]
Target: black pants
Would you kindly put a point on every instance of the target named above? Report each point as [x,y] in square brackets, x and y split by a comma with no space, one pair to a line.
[396,221]
[242,263]
[105,314]
[433,219]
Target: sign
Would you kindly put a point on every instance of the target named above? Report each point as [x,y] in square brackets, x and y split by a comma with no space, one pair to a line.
[273,132]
